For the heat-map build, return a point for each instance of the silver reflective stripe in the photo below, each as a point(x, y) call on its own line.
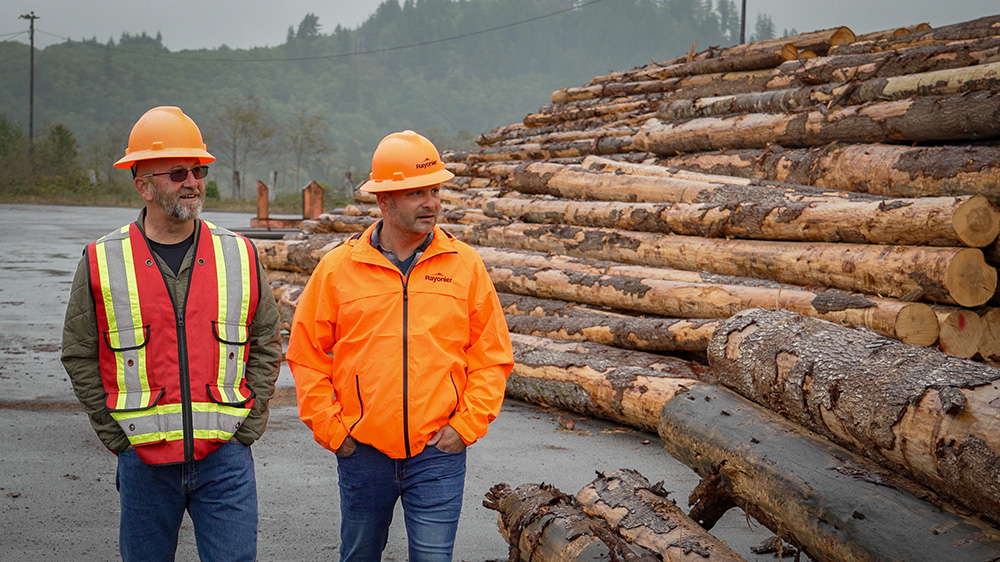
point(120, 290)
point(232, 269)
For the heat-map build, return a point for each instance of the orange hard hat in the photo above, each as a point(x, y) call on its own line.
point(405, 160)
point(164, 132)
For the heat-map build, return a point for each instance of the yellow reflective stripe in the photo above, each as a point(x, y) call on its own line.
point(221, 325)
point(175, 410)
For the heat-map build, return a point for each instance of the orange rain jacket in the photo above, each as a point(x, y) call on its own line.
point(388, 360)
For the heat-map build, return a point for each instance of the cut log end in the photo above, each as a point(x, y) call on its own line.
point(917, 324)
point(970, 280)
point(961, 331)
point(977, 222)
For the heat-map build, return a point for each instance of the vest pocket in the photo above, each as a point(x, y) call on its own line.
point(146, 424)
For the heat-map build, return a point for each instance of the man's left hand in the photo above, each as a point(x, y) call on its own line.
point(447, 440)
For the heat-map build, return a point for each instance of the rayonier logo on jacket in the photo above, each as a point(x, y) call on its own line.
point(437, 278)
point(427, 163)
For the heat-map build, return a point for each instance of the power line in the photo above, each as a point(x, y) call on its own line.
point(344, 55)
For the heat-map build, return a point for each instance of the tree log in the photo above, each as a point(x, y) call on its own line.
point(960, 331)
point(912, 409)
point(628, 332)
point(910, 322)
point(989, 339)
point(927, 118)
point(625, 386)
point(543, 524)
point(937, 82)
point(645, 516)
point(297, 255)
point(982, 27)
point(834, 505)
point(941, 221)
point(944, 275)
point(879, 169)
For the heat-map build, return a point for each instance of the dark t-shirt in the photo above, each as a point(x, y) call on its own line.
point(172, 254)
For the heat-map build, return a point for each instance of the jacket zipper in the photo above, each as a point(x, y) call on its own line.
point(406, 400)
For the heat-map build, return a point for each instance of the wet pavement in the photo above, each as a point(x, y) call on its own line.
point(57, 493)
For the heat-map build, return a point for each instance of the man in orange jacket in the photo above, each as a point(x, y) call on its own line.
point(400, 354)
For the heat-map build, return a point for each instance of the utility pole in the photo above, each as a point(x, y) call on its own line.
point(743, 24)
point(31, 87)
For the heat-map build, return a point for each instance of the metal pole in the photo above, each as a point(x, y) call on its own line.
point(31, 87)
point(743, 24)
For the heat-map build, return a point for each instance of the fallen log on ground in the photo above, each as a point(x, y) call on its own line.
point(625, 386)
point(912, 409)
point(644, 515)
point(623, 332)
point(832, 504)
point(543, 524)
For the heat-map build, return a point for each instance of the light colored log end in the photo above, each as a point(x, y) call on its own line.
point(969, 279)
point(917, 324)
point(977, 222)
point(961, 331)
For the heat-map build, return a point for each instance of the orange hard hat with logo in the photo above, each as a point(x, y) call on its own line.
point(405, 160)
point(164, 132)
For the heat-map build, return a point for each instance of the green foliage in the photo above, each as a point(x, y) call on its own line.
point(448, 69)
point(211, 190)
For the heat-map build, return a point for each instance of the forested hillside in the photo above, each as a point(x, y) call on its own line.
point(321, 101)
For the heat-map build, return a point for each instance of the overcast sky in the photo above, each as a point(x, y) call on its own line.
point(194, 24)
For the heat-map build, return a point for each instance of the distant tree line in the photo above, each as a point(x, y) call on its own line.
point(314, 107)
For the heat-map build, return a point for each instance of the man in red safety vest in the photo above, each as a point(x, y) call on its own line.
point(171, 341)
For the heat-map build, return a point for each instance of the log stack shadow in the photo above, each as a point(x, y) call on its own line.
point(803, 230)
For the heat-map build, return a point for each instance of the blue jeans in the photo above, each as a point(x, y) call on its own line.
point(219, 492)
point(430, 485)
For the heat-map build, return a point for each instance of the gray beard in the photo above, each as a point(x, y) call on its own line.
point(174, 207)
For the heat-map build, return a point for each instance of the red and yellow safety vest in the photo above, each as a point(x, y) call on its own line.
point(175, 380)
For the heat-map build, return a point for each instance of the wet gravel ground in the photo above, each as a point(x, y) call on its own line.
point(57, 491)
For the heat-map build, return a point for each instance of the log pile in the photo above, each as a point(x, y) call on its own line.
point(809, 222)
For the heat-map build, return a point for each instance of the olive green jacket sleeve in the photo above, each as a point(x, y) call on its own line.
point(81, 342)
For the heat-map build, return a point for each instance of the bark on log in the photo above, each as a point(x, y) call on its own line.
point(982, 27)
point(643, 514)
point(939, 221)
point(878, 169)
point(892, 33)
point(958, 117)
point(623, 332)
point(297, 255)
point(543, 524)
point(578, 182)
point(936, 83)
point(910, 322)
point(912, 409)
point(834, 505)
point(750, 56)
point(944, 275)
point(534, 151)
point(839, 506)
point(628, 387)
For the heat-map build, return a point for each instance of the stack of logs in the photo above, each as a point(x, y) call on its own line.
point(781, 257)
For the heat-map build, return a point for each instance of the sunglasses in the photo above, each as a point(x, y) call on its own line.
point(181, 174)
